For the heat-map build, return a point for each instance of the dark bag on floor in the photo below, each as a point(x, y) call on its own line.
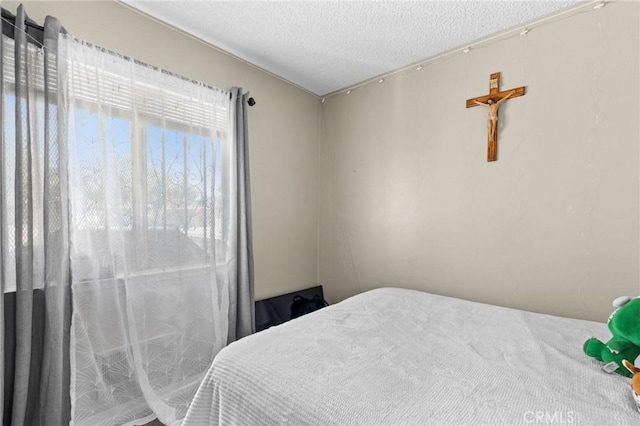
point(302, 305)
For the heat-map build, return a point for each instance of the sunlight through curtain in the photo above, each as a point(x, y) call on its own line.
point(153, 235)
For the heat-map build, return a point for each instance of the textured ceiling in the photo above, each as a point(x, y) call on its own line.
point(324, 46)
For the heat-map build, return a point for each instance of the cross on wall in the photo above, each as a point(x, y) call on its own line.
point(492, 101)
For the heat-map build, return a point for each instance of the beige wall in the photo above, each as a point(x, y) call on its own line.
point(406, 195)
point(408, 199)
point(283, 130)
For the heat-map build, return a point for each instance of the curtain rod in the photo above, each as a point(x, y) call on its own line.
point(29, 23)
point(250, 101)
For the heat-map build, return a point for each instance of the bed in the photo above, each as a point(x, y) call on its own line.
point(394, 357)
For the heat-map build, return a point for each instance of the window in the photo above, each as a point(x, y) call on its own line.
point(149, 159)
point(170, 192)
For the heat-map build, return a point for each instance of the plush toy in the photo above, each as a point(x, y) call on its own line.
point(635, 382)
point(624, 324)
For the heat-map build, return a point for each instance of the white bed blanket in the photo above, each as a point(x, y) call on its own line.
point(403, 357)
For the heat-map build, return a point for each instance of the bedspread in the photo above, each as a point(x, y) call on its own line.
point(393, 356)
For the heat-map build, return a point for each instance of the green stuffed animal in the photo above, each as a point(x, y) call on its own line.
point(624, 324)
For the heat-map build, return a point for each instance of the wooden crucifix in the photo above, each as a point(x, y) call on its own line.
point(492, 101)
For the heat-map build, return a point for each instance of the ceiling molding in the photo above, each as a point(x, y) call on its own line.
point(480, 43)
point(214, 47)
point(318, 46)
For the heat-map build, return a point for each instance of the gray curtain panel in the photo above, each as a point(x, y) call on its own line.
point(242, 300)
point(34, 248)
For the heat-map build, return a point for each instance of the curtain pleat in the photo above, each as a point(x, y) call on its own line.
point(242, 300)
point(54, 397)
point(3, 230)
point(23, 229)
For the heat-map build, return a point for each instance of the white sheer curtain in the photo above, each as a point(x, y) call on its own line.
point(152, 220)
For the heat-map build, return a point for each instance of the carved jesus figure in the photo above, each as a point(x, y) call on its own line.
point(493, 114)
